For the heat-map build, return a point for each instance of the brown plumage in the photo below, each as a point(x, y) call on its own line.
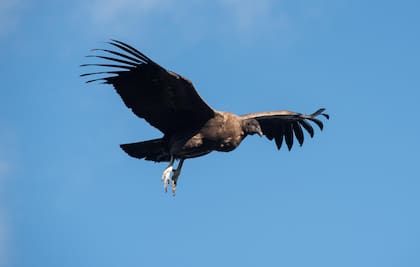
point(190, 127)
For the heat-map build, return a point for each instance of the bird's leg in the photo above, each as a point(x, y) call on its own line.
point(175, 176)
point(166, 176)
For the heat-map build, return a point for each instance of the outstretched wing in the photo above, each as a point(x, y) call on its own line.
point(163, 98)
point(286, 125)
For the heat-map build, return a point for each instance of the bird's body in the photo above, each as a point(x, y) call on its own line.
point(190, 127)
point(223, 132)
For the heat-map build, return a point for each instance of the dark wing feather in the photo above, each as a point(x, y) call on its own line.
point(286, 125)
point(297, 129)
point(288, 134)
point(163, 98)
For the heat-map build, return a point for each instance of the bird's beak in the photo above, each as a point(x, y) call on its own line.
point(260, 133)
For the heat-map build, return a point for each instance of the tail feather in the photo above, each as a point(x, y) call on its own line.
point(154, 150)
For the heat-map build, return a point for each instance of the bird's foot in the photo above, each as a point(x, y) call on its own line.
point(173, 185)
point(174, 180)
point(166, 177)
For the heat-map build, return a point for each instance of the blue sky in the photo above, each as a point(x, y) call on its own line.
point(349, 197)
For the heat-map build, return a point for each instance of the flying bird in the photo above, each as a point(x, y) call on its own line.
point(190, 127)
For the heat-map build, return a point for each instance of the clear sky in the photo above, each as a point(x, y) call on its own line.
point(69, 196)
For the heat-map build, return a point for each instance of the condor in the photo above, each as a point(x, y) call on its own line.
point(190, 127)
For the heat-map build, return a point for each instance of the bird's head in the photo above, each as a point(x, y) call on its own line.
point(251, 126)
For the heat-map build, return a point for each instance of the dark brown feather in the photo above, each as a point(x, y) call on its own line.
point(155, 150)
point(163, 98)
point(279, 136)
point(286, 125)
point(288, 134)
point(298, 132)
point(307, 127)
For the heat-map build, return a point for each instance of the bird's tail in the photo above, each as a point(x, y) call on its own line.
point(154, 150)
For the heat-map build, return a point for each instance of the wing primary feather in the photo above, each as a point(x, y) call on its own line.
point(134, 64)
point(98, 79)
point(298, 132)
point(108, 65)
point(307, 127)
point(279, 137)
point(279, 141)
point(101, 72)
point(135, 50)
point(317, 122)
point(318, 112)
point(131, 50)
point(119, 54)
point(288, 134)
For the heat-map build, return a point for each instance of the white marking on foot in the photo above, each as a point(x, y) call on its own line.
point(166, 177)
point(173, 185)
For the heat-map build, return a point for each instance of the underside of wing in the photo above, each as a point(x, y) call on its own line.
point(163, 98)
point(285, 126)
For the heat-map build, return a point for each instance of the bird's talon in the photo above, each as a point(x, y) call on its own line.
point(166, 177)
point(167, 173)
point(173, 185)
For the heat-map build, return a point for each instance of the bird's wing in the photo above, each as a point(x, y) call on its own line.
point(163, 98)
point(286, 125)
